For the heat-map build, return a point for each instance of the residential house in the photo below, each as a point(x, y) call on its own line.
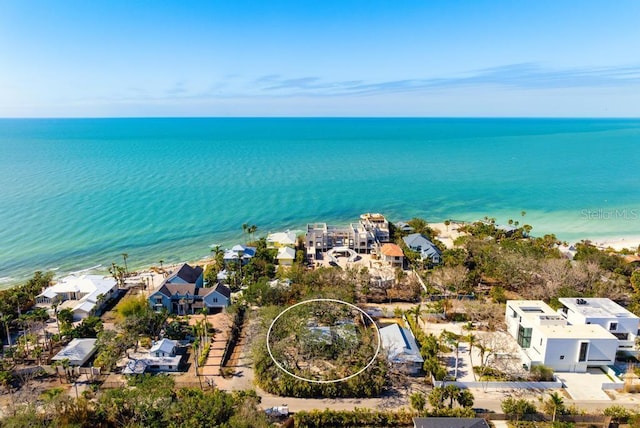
point(286, 256)
point(84, 295)
point(184, 299)
point(281, 239)
point(402, 349)
point(392, 254)
point(404, 227)
point(428, 251)
point(239, 252)
point(77, 352)
point(443, 422)
point(545, 337)
point(161, 357)
point(617, 320)
point(187, 274)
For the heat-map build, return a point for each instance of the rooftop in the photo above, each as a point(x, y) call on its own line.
point(596, 307)
point(391, 250)
point(579, 331)
point(77, 350)
point(165, 345)
point(286, 253)
point(400, 344)
point(187, 273)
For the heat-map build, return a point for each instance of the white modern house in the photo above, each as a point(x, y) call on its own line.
point(161, 358)
point(546, 337)
point(617, 320)
point(401, 348)
point(84, 294)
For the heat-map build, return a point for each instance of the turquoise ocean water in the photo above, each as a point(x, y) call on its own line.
point(79, 192)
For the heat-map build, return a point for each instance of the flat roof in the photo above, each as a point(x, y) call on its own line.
point(580, 331)
point(531, 310)
point(596, 307)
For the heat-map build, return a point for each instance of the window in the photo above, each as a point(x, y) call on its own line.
point(613, 326)
point(524, 337)
point(562, 357)
point(584, 348)
point(540, 341)
point(513, 313)
point(215, 300)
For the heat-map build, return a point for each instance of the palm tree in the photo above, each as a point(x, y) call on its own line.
point(125, 256)
point(471, 338)
point(204, 312)
point(55, 313)
point(556, 404)
point(416, 313)
point(245, 227)
point(251, 230)
point(5, 320)
point(99, 301)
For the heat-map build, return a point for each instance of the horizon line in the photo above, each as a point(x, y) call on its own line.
point(317, 117)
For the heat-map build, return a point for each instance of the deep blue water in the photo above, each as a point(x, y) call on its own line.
point(79, 192)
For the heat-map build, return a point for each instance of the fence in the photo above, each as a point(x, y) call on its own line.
point(501, 385)
point(233, 337)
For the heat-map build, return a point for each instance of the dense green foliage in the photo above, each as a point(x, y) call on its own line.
point(149, 401)
point(429, 349)
point(366, 418)
point(517, 408)
point(352, 418)
point(272, 379)
point(19, 299)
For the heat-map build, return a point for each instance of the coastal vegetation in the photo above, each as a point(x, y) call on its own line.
point(148, 401)
point(18, 300)
point(269, 377)
point(488, 265)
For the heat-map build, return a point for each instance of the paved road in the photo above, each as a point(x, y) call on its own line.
point(490, 399)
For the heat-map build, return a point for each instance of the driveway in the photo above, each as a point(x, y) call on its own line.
point(585, 386)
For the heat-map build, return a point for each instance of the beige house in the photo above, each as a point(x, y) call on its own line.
point(391, 254)
point(286, 256)
point(281, 239)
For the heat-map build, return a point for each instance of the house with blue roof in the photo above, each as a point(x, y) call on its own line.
point(428, 251)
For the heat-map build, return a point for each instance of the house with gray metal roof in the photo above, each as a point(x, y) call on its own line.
point(78, 351)
point(401, 348)
point(428, 250)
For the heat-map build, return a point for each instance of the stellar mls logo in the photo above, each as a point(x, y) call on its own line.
point(606, 214)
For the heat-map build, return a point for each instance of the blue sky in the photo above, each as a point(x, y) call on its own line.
point(319, 58)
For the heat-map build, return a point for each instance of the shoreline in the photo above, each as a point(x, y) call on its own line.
point(446, 234)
